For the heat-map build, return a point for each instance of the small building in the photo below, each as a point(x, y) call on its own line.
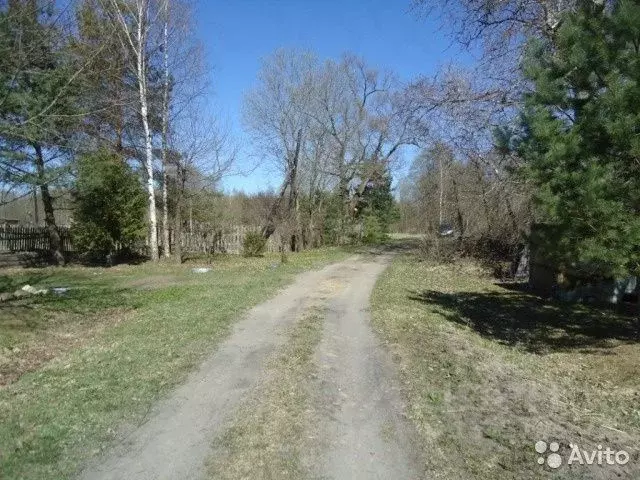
point(545, 279)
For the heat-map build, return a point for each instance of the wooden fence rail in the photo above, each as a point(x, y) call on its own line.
point(18, 238)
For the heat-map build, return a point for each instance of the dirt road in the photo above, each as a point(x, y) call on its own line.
point(362, 429)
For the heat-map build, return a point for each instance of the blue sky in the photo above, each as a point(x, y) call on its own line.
point(238, 34)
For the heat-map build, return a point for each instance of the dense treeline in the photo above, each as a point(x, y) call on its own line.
point(110, 92)
point(549, 139)
point(102, 82)
point(98, 93)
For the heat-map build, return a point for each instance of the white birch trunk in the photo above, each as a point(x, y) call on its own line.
point(144, 114)
point(138, 43)
point(441, 193)
point(165, 127)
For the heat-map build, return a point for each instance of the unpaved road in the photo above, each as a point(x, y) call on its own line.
point(368, 436)
point(363, 430)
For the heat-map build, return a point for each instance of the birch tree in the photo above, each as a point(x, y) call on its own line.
point(134, 21)
point(185, 83)
point(165, 132)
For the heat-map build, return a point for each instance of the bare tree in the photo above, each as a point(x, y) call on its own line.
point(499, 26)
point(334, 125)
point(274, 114)
point(501, 29)
point(367, 122)
point(201, 155)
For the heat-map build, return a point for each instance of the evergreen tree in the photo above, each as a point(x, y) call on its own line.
point(376, 206)
point(37, 110)
point(582, 139)
point(109, 205)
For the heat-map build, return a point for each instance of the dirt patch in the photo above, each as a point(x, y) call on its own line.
point(363, 432)
point(29, 356)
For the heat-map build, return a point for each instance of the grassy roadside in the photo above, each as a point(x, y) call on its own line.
point(161, 321)
point(489, 370)
point(267, 436)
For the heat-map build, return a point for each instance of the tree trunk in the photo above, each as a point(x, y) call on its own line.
point(55, 243)
point(144, 114)
point(294, 205)
point(177, 228)
point(166, 240)
point(458, 213)
point(343, 194)
point(270, 222)
point(485, 203)
point(120, 111)
point(441, 199)
point(165, 129)
point(36, 214)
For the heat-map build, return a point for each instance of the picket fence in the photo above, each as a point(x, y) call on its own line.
point(229, 240)
point(202, 239)
point(21, 238)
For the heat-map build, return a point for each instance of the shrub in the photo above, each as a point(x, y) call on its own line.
point(253, 244)
point(373, 231)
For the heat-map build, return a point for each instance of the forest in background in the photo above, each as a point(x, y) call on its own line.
point(104, 115)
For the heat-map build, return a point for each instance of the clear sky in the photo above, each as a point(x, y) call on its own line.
point(238, 34)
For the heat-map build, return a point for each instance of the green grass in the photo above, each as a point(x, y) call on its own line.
point(162, 320)
point(267, 437)
point(94, 291)
point(488, 370)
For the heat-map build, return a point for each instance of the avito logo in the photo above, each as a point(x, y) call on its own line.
point(601, 456)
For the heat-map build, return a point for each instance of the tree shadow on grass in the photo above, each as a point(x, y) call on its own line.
point(519, 319)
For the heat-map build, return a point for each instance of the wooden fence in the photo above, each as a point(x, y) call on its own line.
point(228, 240)
point(18, 238)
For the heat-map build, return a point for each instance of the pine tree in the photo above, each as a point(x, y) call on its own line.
point(38, 107)
point(582, 139)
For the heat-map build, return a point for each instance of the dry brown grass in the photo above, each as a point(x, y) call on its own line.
point(59, 338)
point(270, 430)
point(489, 371)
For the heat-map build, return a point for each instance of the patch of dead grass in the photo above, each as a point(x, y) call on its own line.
point(481, 403)
point(54, 342)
